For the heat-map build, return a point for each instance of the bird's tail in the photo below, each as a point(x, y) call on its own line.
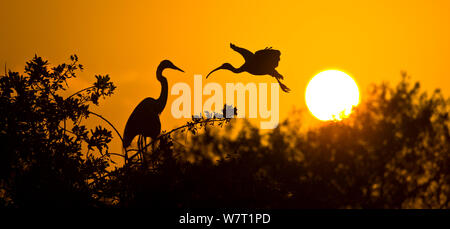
point(283, 87)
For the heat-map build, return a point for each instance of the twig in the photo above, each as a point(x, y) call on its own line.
point(78, 92)
point(187, 125)
point(211, 120)
point(104, 119)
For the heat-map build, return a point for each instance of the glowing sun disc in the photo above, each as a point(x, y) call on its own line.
point(331, 94)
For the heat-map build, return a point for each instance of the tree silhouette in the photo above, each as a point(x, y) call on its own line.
point(392, 152)
point(41, 133)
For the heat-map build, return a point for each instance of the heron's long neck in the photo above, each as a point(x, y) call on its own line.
point(162, 100)
point(235, 70)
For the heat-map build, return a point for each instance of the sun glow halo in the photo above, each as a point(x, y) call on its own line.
point(331, 94)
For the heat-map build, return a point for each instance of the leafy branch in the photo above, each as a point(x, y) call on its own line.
point(196, 123)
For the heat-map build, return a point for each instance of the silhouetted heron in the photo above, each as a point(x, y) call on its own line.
point(144, 121)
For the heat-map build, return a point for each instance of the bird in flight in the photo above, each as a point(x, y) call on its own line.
point(262, 62)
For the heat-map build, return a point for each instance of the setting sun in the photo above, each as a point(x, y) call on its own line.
point(331, 94)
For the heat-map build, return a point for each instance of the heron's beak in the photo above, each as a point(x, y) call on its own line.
point(177, 68)
point(221, 67)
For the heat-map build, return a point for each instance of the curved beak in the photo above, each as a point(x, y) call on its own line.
point(221, 67)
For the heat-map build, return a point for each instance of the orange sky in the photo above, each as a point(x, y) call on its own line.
point(371, 40)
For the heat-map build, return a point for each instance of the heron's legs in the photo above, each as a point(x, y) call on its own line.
point(277, 75)
point(144, 160)
point(139, 143)
point(283, 87)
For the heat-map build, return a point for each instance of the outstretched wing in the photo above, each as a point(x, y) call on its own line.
point(244, 52)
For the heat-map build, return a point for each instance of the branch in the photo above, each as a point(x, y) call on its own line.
point(187, 125)
point(211, 120)
point(104, 119)
point(78, 92)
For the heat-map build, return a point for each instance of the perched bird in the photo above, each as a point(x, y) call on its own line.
point(262, 62)
point(144, 121)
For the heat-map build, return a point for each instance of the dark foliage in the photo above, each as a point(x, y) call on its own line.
point(393, 152)
point(41, 134)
